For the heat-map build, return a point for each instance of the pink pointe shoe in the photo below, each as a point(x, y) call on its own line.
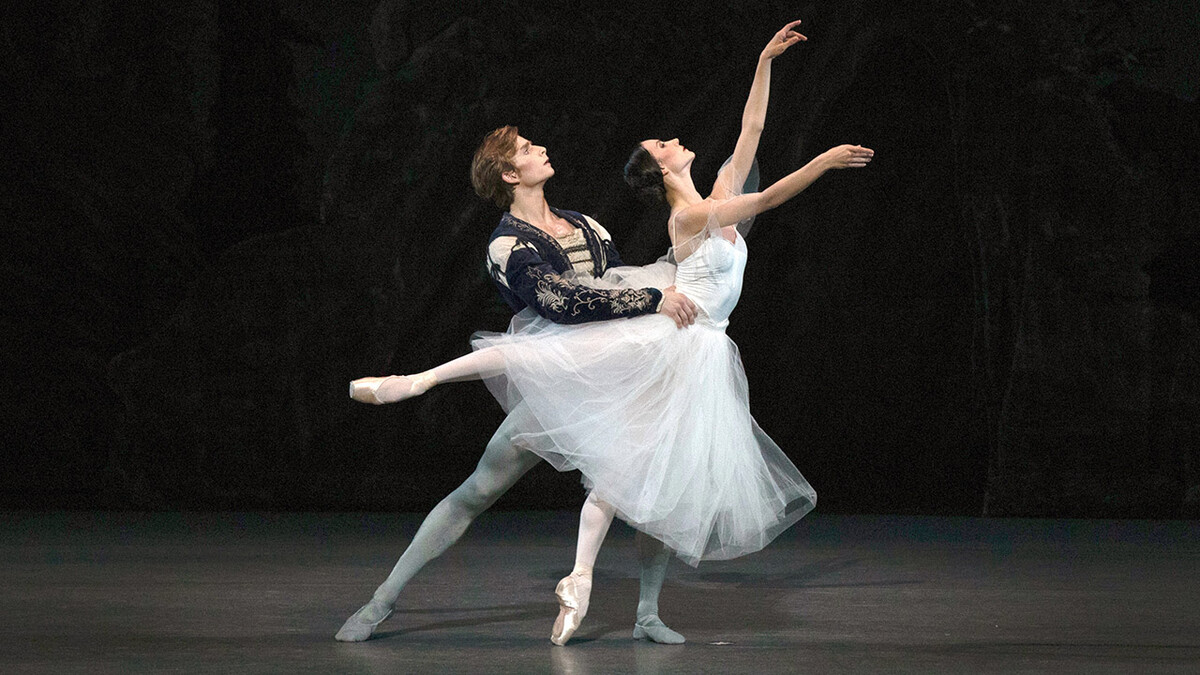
point(573, 593)
point(390, 389)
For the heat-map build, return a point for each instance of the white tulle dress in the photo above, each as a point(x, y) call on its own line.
point(655, 417)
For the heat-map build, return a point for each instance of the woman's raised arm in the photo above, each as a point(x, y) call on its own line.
point(729, 181)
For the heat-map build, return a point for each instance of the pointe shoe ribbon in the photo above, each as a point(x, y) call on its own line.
point(573, 592)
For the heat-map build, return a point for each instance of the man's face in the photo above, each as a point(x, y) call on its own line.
point(532, 166)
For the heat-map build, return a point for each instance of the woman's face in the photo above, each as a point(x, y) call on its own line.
point(670, 154)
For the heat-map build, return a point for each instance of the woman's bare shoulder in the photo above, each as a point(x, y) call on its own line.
point(694, 217)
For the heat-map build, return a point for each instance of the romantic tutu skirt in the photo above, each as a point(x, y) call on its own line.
point(657, 420)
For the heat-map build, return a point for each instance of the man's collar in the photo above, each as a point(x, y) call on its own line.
point(558, 212)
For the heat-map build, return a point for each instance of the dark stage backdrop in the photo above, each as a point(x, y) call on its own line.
point(217, 212)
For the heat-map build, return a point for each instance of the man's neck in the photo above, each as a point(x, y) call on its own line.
point(531, 207)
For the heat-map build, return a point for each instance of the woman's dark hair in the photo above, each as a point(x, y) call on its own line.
point(644, 175)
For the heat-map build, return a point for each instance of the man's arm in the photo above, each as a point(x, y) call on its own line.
point(520, 268)
point(677, 306)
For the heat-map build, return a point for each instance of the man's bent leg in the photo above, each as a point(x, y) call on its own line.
point(500, 467)
point(653, 557)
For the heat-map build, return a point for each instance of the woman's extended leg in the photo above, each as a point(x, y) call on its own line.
point(476, 365)
point(574, 590)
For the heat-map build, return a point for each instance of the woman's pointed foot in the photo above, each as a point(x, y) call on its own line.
point(390, 389)
point(652, 628)
point(573, 592)
point(362, 623)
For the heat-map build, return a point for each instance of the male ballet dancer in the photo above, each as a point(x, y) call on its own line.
point(532, 246)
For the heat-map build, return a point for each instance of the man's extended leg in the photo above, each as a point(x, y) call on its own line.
point(502, 465)
point(653, 556)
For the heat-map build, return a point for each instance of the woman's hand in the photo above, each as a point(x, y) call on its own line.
point(786, 37)
point(847, 157)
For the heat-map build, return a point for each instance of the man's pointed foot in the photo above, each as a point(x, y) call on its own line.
point(362, 623)
point(652, 628)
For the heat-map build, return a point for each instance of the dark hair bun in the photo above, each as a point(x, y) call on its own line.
point(644, 175)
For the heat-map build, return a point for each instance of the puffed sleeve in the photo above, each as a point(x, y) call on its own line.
point(611, 257)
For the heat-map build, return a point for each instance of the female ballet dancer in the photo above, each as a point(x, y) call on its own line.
point(656, 419)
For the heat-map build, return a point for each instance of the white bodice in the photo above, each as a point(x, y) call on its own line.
point(656, 419)
point(712, 277)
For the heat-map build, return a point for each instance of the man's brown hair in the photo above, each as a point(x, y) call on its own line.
point(490, 162)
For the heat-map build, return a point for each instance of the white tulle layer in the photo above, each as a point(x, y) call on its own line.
point(657, 419)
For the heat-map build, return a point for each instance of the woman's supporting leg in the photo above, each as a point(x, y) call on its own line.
point(594, 520)
point(574, 591)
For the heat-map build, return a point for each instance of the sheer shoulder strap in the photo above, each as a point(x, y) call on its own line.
point(685, 245)
point(739, 185)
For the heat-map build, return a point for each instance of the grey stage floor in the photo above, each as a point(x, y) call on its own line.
point(251, 593)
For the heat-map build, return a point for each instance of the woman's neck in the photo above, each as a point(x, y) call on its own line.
point(682, 192)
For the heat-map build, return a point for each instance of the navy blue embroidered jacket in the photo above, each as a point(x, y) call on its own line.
point(527, 266)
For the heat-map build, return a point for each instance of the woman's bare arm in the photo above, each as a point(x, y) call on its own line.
point(723, 213)
point(730, 180)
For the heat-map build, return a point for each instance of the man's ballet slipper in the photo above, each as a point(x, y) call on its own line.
point(358, 629)
point(652, 628)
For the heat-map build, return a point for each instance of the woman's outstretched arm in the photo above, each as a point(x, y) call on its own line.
point(732, 211)
point(731, 178)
